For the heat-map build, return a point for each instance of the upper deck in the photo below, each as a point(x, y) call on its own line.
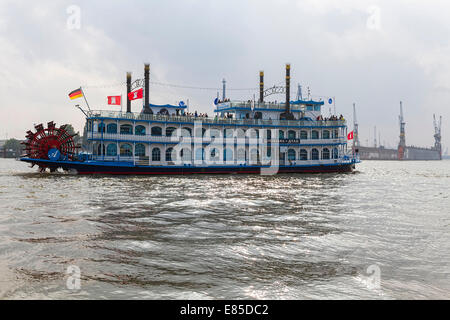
point(295, 106)
point(222, 121)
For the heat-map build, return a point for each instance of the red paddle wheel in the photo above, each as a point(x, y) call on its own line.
point(38, 145)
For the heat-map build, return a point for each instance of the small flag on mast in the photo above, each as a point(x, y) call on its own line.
point(138, 94)
point(115, 100)
point(78, 93)
point(350, 136)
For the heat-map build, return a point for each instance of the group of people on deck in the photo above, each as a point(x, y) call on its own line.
point(331, 118)
point(205, 115)
point(195, 114)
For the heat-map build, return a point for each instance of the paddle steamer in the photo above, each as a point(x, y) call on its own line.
point(242, 137)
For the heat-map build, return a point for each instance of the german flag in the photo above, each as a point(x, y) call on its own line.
point(76, 94)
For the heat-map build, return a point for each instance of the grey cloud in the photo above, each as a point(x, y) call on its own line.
point(199, 42)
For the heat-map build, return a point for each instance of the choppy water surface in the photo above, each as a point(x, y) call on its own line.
point(210, 237)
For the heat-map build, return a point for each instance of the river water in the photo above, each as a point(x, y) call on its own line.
point(382, 232)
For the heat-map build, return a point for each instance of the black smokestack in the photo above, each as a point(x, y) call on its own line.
point(147, 84)
point(287, 115)
point(261, 86)
point(288, 88)
point(128, 91)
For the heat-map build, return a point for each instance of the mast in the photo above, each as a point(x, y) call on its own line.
point(261, 86)
point(128, 91)
point(288, 88)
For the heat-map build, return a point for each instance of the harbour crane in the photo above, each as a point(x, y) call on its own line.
point(355, 128)
point(402, 142)
point(437, 134)
point(402, 123)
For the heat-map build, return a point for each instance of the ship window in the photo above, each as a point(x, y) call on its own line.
point(186, 132)
point(228, 154)
point(139, 130)
point(258, 115)
point(335, 153)
point(252, 133)
point(89, 126)
point(335, 133)
point(280, 134)
point(269, 151)
point(241, 154)
point(126, 150)
point(326, 153)
point(126, 129)
point(200, 132)
point(100, 148)
point(200, 154)
point(156, 154)
point(186, 154)
point(303, 154)
point(254, 155)
point(291, 134)
point(156, 131)
point(139, 150)
point(269, 134)
point(169, 131)
point(303, 134)
point(316, 108)
point(214, 154)
point(314, 154)
point(315, 134)
point(228, 133)
point(291, 154)
point(170, 155)
point(111, 128)
point(240, 133)
point(325, 134)
point(111, 149)
point(214, 133)
point(101, 127)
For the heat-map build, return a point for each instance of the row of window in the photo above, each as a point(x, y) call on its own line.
point(157, 131)
point(126, 150)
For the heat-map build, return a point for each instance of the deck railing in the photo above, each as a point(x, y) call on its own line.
point(257, 105)
point(208, 139)
point(147, 161)
point(136, 116)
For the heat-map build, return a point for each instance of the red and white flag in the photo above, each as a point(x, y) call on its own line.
point(137, 94)
point(350, 136)
point(116, 100)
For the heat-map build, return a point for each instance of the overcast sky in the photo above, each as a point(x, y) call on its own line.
point(372, 53)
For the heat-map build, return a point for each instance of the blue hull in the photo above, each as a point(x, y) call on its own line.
point(95, 167)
